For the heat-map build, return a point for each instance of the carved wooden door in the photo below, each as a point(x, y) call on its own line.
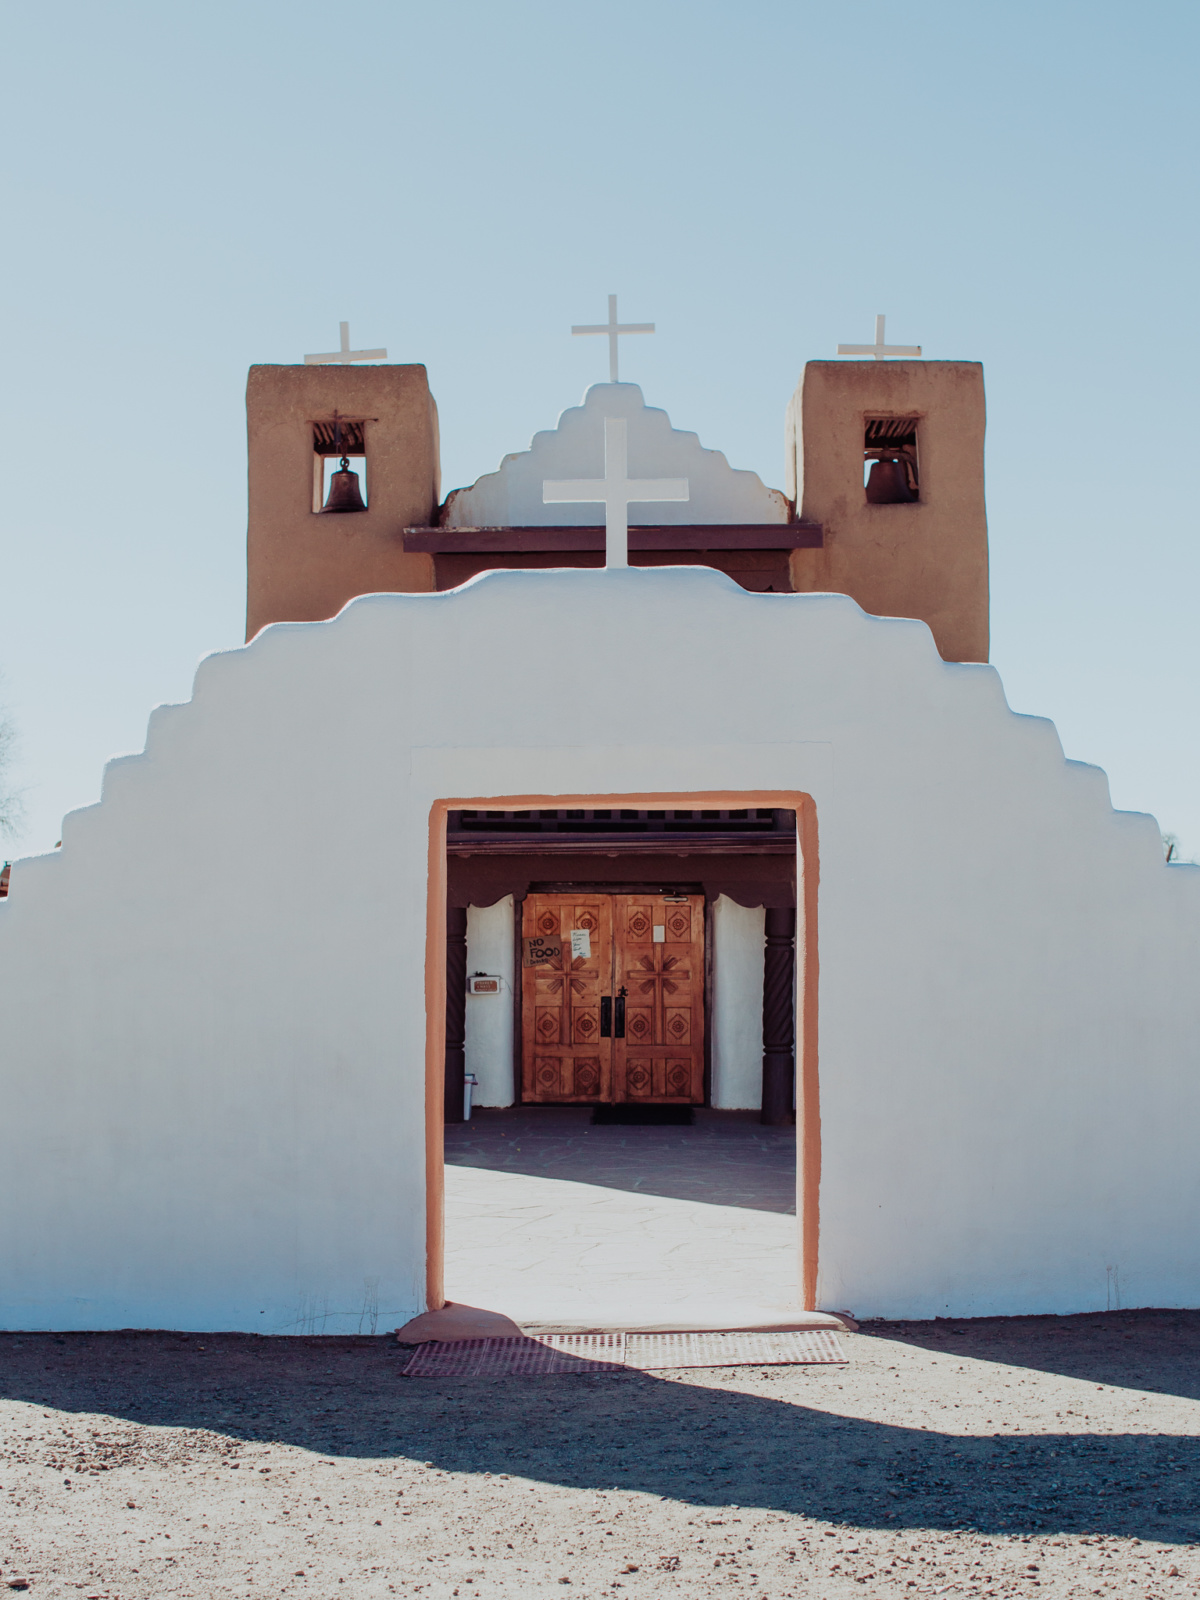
point(659, 975)
point(565, 1054)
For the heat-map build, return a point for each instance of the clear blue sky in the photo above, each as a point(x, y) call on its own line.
point(188, 190)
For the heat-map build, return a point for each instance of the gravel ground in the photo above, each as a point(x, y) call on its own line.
point(989, 1457)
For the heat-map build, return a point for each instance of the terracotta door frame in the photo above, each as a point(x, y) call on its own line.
point(808, 1105)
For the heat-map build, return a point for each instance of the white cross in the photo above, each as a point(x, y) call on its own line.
point(612, 328)
point(879, 350)
point(616, 489)
point(345, 355)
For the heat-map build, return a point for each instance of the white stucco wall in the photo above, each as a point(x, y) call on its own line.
point(512, 496)
point(738, 954)
point(489, 1053)
point(211, 1104)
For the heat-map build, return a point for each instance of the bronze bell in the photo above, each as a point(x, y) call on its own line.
point(888, 485)
point(344, 493)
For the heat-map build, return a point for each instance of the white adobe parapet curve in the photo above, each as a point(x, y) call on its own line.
point(212, 1104)
point(512, 497)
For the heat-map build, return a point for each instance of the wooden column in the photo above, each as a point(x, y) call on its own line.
point(779, 1018)
point(456, 1011)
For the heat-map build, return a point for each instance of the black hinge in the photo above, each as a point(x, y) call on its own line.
point(606, 1017)
point(619, 1031)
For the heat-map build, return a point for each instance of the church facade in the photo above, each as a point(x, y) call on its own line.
point(914, 545)
point(748, 822)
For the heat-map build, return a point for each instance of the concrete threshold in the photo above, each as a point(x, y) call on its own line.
point(802, 1322)
point(454, 1322)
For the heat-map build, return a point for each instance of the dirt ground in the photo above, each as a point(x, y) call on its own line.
point(990, 1457)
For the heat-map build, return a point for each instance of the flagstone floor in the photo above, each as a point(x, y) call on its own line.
point(553, 1221)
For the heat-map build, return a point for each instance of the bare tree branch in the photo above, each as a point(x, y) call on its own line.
point(12, 806)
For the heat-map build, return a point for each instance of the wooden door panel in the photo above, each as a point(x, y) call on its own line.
point(659, 954)
point(563, 1057)
point(654, 1077)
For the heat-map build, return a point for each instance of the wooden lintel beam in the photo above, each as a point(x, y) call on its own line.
point(697, 536)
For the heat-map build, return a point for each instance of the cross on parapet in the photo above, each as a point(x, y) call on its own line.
point(879, 350)
point(616, 489)
point(345, 355)
point(613, 329)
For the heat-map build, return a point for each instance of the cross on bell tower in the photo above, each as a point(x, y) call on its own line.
point(344, 356)
point(879, 350)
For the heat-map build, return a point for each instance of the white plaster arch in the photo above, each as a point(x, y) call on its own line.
point(212, 1099)
point(512, 496)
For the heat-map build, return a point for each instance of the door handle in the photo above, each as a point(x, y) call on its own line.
point(619, 1029)
point(606, 1017)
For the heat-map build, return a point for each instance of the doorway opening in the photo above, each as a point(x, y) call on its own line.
point(606, 1173)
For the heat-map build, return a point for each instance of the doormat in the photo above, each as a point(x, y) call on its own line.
point(562, 1353)
point(484, 1358)
point(626, 1115)
point(650, 1351)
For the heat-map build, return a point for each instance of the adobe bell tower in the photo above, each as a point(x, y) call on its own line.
point(304, 562)
point(887, 456)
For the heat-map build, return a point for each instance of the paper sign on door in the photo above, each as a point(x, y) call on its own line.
point(581, 944)
point(541, 950)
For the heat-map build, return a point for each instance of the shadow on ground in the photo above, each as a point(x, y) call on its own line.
point(1152, 1350)
point(707, 1446)
point(725, 1158)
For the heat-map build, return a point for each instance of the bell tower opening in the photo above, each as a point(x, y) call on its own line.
point(891, 469)
point(339, 465)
